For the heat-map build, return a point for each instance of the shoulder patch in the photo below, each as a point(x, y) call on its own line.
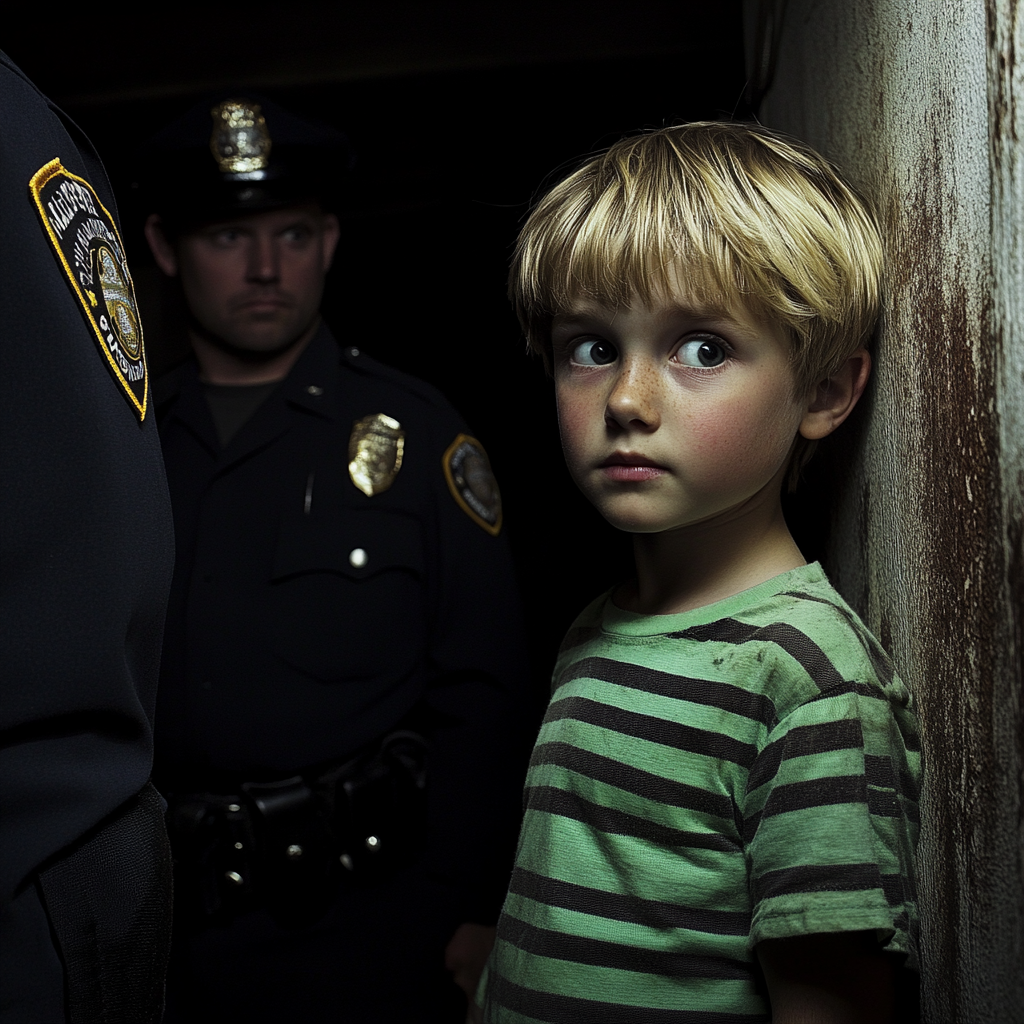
point(375, 449)
point(88, 246)
point(468, 472)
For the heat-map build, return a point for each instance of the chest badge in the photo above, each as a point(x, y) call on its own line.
point(375, 449)
point(471, 481)
point(87, 244)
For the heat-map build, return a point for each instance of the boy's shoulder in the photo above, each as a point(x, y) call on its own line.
point(798, 640)
point(808, 620)
point(792, 638)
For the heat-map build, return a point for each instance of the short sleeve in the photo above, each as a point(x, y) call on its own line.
point(831, 818)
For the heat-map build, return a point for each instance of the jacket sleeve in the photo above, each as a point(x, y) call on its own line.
point(477, 697)
point(85, 543)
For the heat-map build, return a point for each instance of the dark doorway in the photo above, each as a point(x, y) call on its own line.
point(457, 115)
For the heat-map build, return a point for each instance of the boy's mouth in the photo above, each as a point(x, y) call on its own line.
point(630, 467)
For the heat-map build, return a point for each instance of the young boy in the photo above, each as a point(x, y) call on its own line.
point(721, 808)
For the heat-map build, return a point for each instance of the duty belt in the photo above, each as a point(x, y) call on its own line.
point(287, 845)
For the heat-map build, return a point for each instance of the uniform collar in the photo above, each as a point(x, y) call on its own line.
point(311, 385)
point(312, 382)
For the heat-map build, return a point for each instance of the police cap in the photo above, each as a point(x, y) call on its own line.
point(241, 153)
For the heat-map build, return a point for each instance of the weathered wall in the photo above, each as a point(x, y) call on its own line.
point(923, 103)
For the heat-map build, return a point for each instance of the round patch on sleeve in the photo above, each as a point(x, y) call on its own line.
point(468, 472)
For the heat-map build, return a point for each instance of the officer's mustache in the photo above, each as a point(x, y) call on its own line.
point(262, 293)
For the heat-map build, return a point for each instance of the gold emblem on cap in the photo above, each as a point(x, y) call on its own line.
point(240, 142)
point(375, 450)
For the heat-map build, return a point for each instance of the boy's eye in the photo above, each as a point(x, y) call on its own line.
point(704, 353)
point(594, 353)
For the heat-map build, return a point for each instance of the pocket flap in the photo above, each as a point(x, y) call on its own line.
point(354, 544)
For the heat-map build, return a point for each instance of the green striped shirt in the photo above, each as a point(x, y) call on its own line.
point(743, 771)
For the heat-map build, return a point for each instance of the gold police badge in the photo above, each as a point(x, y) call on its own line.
point(375, 449)
point(468, 472)
point(87, 244)
point(240, 142)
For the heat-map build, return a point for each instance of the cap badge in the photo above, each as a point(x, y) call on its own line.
point(375, 449)
point(240, 142)
point(471, 481)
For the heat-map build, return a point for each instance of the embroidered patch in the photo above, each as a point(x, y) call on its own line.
point(375, 449)
point(86, 241)
point(468, 472)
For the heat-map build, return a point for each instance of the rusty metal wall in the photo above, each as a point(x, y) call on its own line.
point(922, 102)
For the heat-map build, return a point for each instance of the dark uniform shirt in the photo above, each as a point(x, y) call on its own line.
point(308, 619)
point(85, 561)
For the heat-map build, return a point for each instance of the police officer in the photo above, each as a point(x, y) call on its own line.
point(85, 567)
point(339, 695)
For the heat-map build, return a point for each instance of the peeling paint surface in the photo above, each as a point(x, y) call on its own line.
point(918, 102)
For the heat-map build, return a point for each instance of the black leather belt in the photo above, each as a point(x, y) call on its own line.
point(289, 844)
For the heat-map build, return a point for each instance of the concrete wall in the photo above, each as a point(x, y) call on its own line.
point(922, 102)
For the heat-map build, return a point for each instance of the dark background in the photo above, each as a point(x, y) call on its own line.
point(457, 112)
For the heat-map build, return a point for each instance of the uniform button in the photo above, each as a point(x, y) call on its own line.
point(372, 843)
point(353, 352)
point(314, 390)
point(357, 558)
point(234, 877)
point(294, 851)
point(234, 808)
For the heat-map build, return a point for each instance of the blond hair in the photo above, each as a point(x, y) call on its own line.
point(737, 212)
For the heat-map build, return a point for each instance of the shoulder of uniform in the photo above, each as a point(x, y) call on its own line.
point(359, 361)
point(464, 464)
point(8, 65)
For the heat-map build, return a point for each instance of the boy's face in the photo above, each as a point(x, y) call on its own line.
point(671, 416)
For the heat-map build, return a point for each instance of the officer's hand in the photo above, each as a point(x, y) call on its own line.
point(465, 956)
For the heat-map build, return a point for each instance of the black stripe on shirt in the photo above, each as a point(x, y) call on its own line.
point(884, 803)
point(879, 659)
point(734, 699)
point(878, 770)
point(658, 914)
point(799, 796)
point(559, 1009)
point(579, 949)
point(800, 647)
point(899, 889)
point(881, 772)
point(631, 780)
point(816, 878)
point(653, 728)
point(845, 734)
point(551, 800)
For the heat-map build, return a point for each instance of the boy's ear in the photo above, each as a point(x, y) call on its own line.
point(163, 251)
point(831, 400)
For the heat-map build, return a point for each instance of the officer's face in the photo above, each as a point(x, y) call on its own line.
point(254, 282)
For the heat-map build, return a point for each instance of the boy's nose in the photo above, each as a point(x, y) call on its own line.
point(633, 402)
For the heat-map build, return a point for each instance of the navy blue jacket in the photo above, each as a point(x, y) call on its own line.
point(282, 655)
point(85, 544)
